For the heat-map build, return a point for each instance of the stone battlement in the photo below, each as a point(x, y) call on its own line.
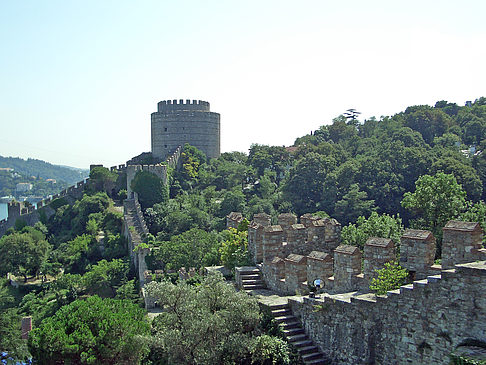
point(288, 236)
point(420, 323)
point(30, 214)
point(292, 255)
point(170, 106)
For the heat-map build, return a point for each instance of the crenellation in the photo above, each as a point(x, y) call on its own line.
point(461, 243)
point(417, 252)
point(296, 238)
point(377, 251)
point(255, 241)
point(262, 219)
point(175, 124)
point(347, 266)
point(296, 274)
point(273, 237)
point(274, 275)
point(320, 266)
point(286, 220)
point(233, 219)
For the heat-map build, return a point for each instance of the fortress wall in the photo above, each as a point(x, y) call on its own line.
point(31, 215)
point(419, 324)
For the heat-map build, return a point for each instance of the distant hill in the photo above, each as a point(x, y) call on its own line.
point(44, 170)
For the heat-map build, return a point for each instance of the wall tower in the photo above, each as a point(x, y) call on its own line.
point(177, 122)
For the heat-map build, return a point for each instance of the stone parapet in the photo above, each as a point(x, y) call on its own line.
point(461, 243)
point(319, 266)
point(286, 220)
point(417, 252)
point(347, 266)
point(272, 242)
point(296, 274)
point(377, 252)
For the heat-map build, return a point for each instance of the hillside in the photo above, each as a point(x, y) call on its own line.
point(44, 170)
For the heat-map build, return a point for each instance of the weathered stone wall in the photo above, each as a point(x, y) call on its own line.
point(272, 242)
point(313, 233)
point(135, 231)
point(177, 122)
point(420, 324)
point(255, 242)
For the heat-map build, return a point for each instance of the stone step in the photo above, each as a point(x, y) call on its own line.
point(255, 275)
point(420, 283)
point(295, 338)
point(302, 344)
point(308, 349)
point(248, 270)
point(290, 325)
point(253, 287)
point(281, 312)
point(250, 282)
point(293, 331)
point(317, 362)
point(434, 278)
point(312, 356)
point(286, 318)
point(279, 306)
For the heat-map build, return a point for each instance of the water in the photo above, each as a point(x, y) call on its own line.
point(3, 211)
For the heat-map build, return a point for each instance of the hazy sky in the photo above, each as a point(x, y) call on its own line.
point(79, 79)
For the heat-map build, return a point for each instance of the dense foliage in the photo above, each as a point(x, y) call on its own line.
point(212, 324)
point(91, 331)
point(44, 170)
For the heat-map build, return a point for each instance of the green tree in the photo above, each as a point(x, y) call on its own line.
point(92, 331)
point(102, 179)
point(23, 253)
point(212, 323)
point(375, 226)
point(391, 277)
point(354, 203)
point(106, 277)
point(150, 188)
point(436, 200)
point(304, 184)
point(234, 248)
point(193, 248)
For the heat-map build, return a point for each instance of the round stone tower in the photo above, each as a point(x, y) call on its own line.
point(176, 123)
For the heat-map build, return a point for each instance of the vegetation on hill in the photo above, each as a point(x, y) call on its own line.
point(37, 173)
point(44, 170)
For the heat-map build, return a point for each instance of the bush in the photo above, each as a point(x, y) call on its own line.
point(391, 277)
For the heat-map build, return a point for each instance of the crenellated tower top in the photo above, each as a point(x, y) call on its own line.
point(167, 106)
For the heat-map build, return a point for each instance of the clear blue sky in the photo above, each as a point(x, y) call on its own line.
point(79, 79)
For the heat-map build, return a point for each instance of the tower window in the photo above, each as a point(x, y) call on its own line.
point(165, 146)
point(165, 129)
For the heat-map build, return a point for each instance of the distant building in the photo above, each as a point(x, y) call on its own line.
point(52, 181)
point(8, 169)
point(22, 187)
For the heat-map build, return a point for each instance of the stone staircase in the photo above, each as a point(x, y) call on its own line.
point(295, 335)
point(249, 278)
